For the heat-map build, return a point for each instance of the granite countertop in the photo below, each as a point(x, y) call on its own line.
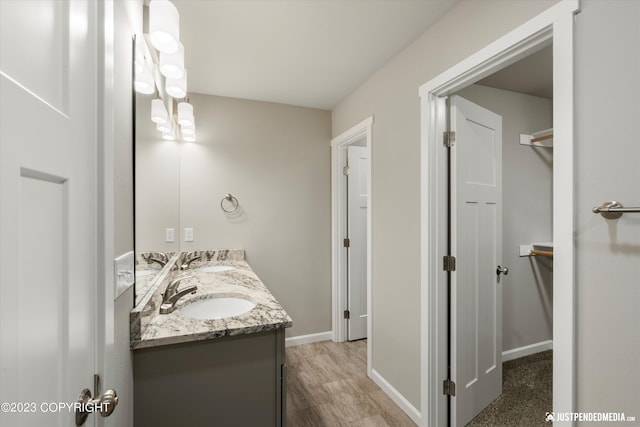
point(154, 329)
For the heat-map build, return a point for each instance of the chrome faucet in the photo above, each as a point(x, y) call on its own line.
point(186, 264)
point(172, 295)
point(159, 261)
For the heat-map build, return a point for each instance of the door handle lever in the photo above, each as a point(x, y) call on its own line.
point(103, 405)
point(503, 270)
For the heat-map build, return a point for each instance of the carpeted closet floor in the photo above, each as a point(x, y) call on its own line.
point(527, 385)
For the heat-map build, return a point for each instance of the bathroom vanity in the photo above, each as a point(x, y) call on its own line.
point(218, 371)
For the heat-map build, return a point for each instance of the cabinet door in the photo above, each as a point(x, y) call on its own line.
point(230, 381)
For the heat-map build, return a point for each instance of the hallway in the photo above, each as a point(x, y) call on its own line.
point(328, 386)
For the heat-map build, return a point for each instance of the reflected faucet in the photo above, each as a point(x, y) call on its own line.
point(187, 263)
point(172, 295)
point(162, 261)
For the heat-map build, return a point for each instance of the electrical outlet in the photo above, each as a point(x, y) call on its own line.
point(188, 234)
point(169, 235)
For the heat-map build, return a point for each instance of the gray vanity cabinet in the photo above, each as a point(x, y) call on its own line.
point(235, 381)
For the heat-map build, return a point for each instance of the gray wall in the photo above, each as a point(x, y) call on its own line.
point(275, 159)
point(157, 183)
point(607, 158)
point(527, 172)
point(391, 96)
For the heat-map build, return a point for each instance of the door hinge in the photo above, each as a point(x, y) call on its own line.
point(346, 171)
point(449, 138)
point(449, 387)
point(347, 243)
point(347, 314)
point(449, 263)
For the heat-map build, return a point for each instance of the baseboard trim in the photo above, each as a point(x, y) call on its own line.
point(307, 339)
point(519, 352)
point(399, 399)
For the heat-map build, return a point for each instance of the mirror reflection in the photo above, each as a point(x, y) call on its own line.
point(157, 197)
point(273, 158)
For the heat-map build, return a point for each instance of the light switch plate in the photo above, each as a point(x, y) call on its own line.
point(124, 274)
point(169, 235)
point(188, 234)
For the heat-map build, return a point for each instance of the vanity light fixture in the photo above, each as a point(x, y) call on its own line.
point(168, 71)
point(172, 64)
point(177, 88)
point(164, 25)
point(143, 81)
point(185, 114)
point(169, 136)
point(188, 130)
point(159, 112)
point(189, 138)
point(164, 127)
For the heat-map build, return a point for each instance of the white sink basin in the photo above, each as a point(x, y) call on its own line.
point(217, 307)
point(214, 269)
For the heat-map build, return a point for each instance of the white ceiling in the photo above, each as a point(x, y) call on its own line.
point(311, 53)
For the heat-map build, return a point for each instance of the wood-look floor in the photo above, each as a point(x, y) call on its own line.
point(328, 387)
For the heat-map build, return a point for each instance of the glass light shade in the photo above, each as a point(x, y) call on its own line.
point(144, 82)
point(169, 136)
point(177, 88)
point(164, 25)
point(172, 64)
point(189, 138)
point(164, 127)
point(159, 112)
point(185, 114)
point(188, 130)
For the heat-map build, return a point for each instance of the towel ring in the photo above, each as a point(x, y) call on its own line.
point(234, 204)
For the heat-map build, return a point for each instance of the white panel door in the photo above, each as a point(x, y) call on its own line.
point(357, 196)
point(476, 304)
point(47, 208)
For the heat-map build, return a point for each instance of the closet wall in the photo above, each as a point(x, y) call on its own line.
point(527, 174)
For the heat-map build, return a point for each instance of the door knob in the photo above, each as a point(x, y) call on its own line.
point(503, 270)
point(103, 405)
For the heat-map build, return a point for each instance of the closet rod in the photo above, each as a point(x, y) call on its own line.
point(541, 253)
point(542, 138)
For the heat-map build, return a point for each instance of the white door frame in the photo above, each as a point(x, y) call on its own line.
point(555, 25)
point(339, 271)
point(105, 197)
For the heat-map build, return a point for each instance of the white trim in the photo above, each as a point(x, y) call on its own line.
point(527, 350)
point(308, 339)
point(105, 192)
point(553, 25)
point(338, 232)
point(564, 382)
point(395, 395)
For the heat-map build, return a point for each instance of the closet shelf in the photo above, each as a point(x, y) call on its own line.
point(537, 249)
point(543, 138)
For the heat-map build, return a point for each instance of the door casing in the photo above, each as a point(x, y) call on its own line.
point(554, 25)
point(339, 146)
